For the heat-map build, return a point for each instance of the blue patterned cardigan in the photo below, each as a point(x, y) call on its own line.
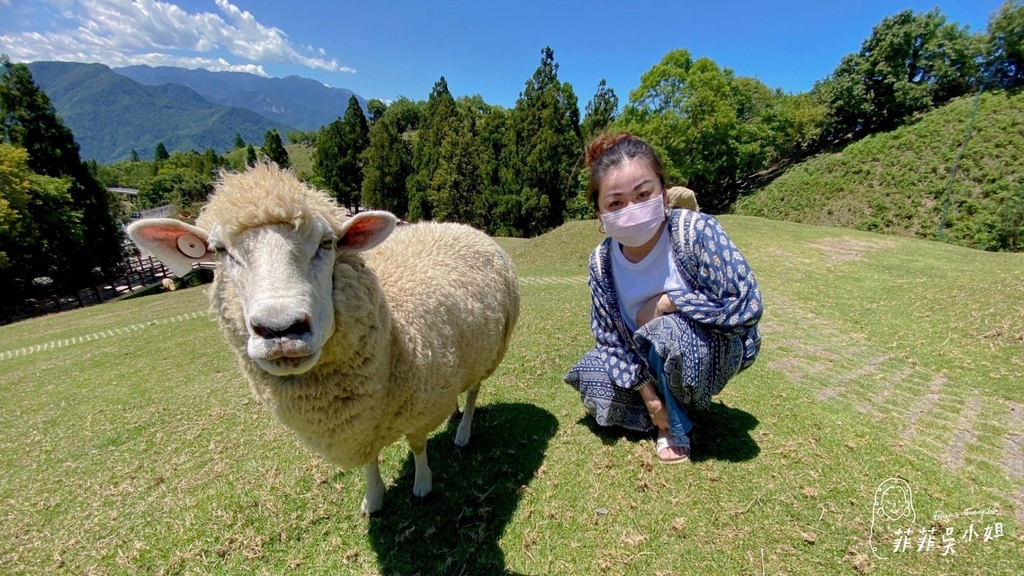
point(719, 312)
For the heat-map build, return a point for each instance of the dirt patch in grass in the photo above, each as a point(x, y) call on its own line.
point(840, 250)
point(964, 434)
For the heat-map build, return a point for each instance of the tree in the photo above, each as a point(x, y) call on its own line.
point(1004, 54)
point(909, 64)
point(38, 220)
point(438, 113)
point(542, 146)
point(239, 143)
point(386, 166)
point(407, 114)
point(456, 190)
point(178, 186)
point(274, 150)
point(355, 139)
point(161, 152)
point(710, 128)
point(601, 111)
point(250, 156)
point(29, 121)
point(376, 109)
point(211, 162)
point(491, 123)
point(134, 156)
point(338, 161)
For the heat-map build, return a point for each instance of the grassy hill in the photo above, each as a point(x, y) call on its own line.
point(301, 157)
point(132, 445)
point(897, 182)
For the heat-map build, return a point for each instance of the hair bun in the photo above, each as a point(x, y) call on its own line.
point(601, 144)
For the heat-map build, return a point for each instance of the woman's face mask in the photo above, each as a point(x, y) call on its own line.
point(635, 225)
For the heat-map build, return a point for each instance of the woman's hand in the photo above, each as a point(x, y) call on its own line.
point(659, 305)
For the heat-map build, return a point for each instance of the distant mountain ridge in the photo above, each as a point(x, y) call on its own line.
point(111, 114)
point(296, 101)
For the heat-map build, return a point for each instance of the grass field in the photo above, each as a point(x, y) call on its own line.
point(131, 445)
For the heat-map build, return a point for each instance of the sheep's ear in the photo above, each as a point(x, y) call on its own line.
point(366, 230)
point(176, 244)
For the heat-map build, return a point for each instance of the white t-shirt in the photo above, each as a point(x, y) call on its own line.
point(638, 282)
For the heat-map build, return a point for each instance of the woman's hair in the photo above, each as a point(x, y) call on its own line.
point(606, 152)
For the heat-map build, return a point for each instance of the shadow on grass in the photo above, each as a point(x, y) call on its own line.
point(476, 491)
point(720, 433)
point(723, 433)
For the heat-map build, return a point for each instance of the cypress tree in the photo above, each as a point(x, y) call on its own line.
point(456, 188)
point(439, 113)
point(600, 111)
point(160, 153)
point(542, 147)
point(386, 165)
point(355, 137)
point(250, 156)
point(273, 148)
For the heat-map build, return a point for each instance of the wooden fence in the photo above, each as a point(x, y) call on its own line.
point(139, 272)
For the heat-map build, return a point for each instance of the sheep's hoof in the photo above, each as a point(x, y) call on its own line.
point(418, 500)
point(367, 508)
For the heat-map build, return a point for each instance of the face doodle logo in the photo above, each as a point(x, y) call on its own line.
point(894, 502)
point(893, 524)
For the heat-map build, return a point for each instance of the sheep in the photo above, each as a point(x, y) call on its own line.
point(168, 285)
point(352, 332)
point(681, 197)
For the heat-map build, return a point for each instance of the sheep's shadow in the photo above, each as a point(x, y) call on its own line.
point(719, 433)
point(476, 491)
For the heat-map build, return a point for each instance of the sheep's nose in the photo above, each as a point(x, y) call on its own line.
point(291, 330)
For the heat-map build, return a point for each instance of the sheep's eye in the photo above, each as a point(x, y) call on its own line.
point(327, 244)
point(223, 253)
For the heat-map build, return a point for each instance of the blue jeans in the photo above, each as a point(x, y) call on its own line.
point(678, 423)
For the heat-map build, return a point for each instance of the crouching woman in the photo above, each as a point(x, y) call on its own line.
point(675, 305)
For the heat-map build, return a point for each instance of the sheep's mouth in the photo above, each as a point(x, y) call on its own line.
point(288, 365)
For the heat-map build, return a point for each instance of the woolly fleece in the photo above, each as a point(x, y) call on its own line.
point(426, 315)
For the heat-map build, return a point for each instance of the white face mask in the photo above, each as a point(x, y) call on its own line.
point(635, 225)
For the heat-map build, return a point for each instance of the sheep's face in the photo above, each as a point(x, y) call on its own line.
point(282, 275)
point(283, 278)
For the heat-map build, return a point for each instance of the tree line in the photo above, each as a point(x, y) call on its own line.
point(515, 172)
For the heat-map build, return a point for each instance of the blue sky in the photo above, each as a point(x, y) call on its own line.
point(385, 49)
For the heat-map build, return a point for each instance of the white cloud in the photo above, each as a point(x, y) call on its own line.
point(125, 32)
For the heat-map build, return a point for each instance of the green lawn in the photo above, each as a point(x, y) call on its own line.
point(132, 445)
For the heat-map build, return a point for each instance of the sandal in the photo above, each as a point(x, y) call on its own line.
point(670, 441)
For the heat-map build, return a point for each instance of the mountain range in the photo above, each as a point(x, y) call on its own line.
point(296, 101)
point(111, 113)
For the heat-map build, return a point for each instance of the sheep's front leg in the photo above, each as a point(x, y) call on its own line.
point(423, 483)
point(462, 435)
point(373, 500)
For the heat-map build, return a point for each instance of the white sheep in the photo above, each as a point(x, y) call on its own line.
point(349, 347)
point(682, 197)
